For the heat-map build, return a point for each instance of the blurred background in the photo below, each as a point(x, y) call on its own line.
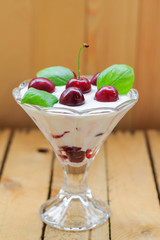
point(40, 33)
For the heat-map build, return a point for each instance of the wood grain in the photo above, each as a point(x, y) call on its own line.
point(39, 33)
point(112, 36)
point(15, 60)
point(154, 141)
point(135, 212)
point(112, 33)
point(58, 33)
point(148, 59)
point(4, 139)
point(36, 34)
point(134, 204)
point(24, 186)
point(97, 182)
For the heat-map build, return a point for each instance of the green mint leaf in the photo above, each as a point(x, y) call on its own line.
point(58, 75)
point(119, 76)
point(39, 97)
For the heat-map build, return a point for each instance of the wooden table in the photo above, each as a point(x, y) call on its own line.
point(126, 172)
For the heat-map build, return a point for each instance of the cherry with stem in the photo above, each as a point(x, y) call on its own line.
point(81, 82)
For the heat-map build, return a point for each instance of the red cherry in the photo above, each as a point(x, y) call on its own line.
point(89, 153)
point(94, 79)
point(106, 94)
point(42, 84)
point(75, 154)
point(83, 84)
point(72, 97)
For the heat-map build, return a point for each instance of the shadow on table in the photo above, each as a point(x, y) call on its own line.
point(99, 233)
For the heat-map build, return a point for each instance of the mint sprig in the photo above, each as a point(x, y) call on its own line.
point(120, 76)
point(39, 97)
point(58, 75)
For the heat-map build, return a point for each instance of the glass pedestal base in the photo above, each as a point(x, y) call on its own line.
point(74, 212)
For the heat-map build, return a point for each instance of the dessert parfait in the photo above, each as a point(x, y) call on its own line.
point(76, 114)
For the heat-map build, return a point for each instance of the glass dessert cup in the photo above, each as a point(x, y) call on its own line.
point(76, 137)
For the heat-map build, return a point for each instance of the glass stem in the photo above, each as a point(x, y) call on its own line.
point(75, 179)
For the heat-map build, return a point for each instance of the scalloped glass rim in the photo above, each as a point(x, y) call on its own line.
point(133, 93)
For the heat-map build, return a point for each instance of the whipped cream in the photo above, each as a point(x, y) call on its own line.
point(90, 102)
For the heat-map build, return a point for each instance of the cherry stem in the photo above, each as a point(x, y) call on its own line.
point(84, 45)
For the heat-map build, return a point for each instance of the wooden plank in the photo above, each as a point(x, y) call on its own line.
point(148, 59)
point(58, 32)
point(112, 36)
point(36, 34)
point(154, 141)
point(4, 139)
point(112, 33)
point(24, 186)
point(97, 182)
point(135, 212)
point(15, 61)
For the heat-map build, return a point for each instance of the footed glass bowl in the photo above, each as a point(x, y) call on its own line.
point(76, 137)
